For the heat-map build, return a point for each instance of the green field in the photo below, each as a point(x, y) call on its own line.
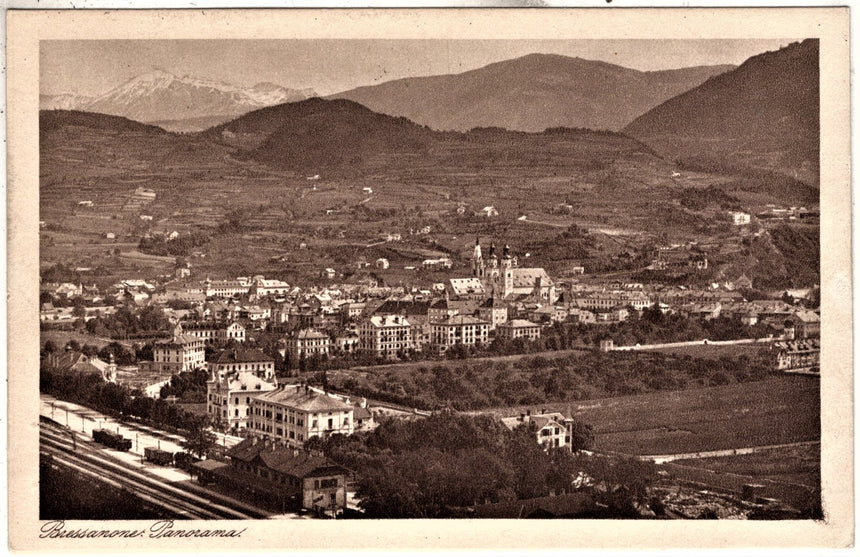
point(769, 412)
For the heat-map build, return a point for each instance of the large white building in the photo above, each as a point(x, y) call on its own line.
point(236, 377)
point(459, 329)
point(385, 334)
point(296, 413)
point(308, 342)
point(226, 288)
point(261, 287)
point(181, 353)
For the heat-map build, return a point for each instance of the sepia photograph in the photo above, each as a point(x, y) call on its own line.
point(337, 278)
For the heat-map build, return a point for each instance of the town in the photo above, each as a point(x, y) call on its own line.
point(273, 367)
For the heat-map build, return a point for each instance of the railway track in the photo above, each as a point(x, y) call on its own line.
point(84, 459)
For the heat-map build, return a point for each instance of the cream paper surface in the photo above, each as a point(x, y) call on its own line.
point(830, 25)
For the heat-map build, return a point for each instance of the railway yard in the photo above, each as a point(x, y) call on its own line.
point(170, 490)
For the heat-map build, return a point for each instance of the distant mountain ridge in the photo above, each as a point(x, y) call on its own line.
point(763, 115)
point(531, 93)
point(341, 134)
point(184, 103)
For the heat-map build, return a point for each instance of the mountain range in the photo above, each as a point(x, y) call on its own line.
point(763, 115)
point(531, 93)
point(339, 134)
point(178, 103)
point(759, 119)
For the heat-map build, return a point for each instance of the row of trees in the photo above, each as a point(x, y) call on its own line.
point(88, 389)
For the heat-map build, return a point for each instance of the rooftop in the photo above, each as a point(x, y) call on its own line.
point(240, 355)
point(303, 398)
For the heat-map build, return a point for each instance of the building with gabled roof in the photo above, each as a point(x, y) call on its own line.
point(286, 478)
point(552, 429)
point(806, 323)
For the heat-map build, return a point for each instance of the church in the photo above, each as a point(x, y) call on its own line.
point(494, 276)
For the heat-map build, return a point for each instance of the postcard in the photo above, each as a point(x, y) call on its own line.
point(426, 278)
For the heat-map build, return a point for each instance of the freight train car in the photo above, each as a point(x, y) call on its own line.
point(158, 456)
point(185, 460)
point(111, 439)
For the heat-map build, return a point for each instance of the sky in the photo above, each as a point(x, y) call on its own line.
point(92, 67)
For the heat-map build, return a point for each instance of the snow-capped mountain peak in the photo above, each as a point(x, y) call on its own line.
point(159, 95)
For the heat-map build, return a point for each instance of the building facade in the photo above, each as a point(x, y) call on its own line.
point(294, 413)
point(181, 353)
point(518, 328)
point(385, 334)
point(308, 342)
point(460, 329)
point(236, 377)
point(213, 331)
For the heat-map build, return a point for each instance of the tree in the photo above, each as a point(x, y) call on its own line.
point(198, 441)
point(581, 436)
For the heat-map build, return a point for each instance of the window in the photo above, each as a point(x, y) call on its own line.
point(314, 424)
point(330, 423)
